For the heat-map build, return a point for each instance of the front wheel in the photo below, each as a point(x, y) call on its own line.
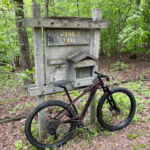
point(50, 132)
point(112, 119)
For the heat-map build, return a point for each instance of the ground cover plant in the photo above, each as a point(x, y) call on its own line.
point(15, 103)
point(128, 36)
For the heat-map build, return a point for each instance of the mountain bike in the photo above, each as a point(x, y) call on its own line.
point(115, 111)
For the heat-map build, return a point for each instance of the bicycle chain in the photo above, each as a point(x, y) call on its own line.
point(78, 126)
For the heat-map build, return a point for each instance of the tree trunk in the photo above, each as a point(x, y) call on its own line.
point(17, 60)
point(77, 8)
point(148, 39)
point(102, 50)
point(119, 44)
point(23, 39)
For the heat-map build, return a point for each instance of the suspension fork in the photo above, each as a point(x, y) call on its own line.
point(110, 99)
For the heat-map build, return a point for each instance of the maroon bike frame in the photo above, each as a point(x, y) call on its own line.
point(93, 90)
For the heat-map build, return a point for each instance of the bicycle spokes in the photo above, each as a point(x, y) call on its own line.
point(114, 115)
point(54, 130)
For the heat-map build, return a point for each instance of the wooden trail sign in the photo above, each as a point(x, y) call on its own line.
point(64, 38)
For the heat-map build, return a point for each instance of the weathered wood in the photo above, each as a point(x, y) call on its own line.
point(49, 89)
point(67, 37)
point(92, 110)
point(43, 90)
point(83, 82)
point(38, 52)
point(46, 8)
point(95, 38)
point(34, 90)
point(12, 119)
point(94, 50)
point(97, 14)
point(65, 17)
point(64, 23)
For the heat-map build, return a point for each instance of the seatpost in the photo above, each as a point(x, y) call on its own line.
point(67, 94)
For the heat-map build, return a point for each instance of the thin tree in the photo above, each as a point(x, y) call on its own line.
point(23, 38)
point(119, 44)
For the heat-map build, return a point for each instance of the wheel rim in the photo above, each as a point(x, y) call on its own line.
point(114, 118)
point(52, 113)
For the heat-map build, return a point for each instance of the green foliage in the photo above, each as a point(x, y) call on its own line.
point(75, 93)
point(26, 74)
point(132, 136)
point(139, 87)
point(7, 79)
point(8, 30)
point(19, 145)
point(136, 32)
point(134, 24)
point(5, 72)
point(15, 109)
point(118, 66)
point(142, 145)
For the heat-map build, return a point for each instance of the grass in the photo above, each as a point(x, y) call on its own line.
point(9, 81)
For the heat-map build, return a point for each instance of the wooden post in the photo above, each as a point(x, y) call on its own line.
point(92, 110)
point(95, 41)
point(46, 8)
point(38, 52)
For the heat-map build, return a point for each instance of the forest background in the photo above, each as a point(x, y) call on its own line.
point(129, 26)
point(128, 35)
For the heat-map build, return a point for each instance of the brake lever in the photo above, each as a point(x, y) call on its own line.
point(107, 78)
point(112, 78)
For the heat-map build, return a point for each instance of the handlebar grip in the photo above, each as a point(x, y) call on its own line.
point(96, 72)
point(103, 76)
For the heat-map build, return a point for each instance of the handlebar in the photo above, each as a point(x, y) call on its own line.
point(99, 76)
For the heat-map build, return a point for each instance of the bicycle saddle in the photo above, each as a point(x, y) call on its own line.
point(62, 85)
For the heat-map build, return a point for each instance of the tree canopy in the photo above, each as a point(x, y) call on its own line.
point(129, 24)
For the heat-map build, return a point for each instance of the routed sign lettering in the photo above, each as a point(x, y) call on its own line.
point(67, 37)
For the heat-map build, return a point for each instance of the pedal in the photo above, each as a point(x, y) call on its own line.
point(110, 108)
point(118, 109)
point(80, 125)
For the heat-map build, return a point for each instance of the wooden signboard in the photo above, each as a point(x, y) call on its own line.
point(62, 38)
point(67, 37)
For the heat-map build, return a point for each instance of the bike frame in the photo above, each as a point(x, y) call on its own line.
point(93, 90)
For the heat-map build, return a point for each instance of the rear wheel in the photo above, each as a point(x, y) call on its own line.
point(55, 134)
point(112, 119)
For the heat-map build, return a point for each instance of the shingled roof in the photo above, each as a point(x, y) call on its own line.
point(78, 56)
